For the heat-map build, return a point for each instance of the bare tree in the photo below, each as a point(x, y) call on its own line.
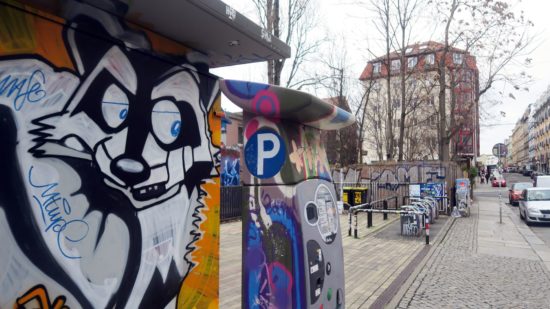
point(291, 23)
point(383, 8)
point(495, 34)
point(405, 12)
point(342, 145)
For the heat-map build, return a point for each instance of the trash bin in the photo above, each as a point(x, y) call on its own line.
point(359, 196)
point(346, 197)
point(353, 196)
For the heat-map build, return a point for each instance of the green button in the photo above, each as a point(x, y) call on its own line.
point(329, 294)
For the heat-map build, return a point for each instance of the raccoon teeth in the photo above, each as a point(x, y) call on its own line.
point(148, 192)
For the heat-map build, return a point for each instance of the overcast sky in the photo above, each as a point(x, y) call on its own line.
point(354, 24)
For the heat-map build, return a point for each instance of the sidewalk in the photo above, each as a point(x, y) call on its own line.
point(484, 264)
point(371, 263)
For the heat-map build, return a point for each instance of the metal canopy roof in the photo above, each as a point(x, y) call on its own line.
point(210, 26)
point(224, 35)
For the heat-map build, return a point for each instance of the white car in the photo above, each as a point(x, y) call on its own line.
point(534, 205)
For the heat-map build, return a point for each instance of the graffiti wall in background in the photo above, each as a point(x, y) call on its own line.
point(392, 179)
point(290, 222)
point(109, 191)
point(230, 166)
point(399, 173)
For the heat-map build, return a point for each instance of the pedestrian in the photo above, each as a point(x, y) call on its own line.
point(487, 177)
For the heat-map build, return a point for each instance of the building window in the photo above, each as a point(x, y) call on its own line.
point(429, 59)
point(395, 64)
point(457, 58)
point(376, 67)
point(411, 62)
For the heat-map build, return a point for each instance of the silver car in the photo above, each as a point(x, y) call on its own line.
point(534, 205)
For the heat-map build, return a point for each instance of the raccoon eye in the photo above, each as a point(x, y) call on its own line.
point(114, 106)
point(166, 119)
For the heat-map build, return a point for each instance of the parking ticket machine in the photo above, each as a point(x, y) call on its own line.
point(292, 246)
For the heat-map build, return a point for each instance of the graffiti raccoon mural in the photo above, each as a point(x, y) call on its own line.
point(105, 158)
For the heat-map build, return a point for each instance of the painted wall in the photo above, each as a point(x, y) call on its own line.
point(230, 166)
point(109, 190)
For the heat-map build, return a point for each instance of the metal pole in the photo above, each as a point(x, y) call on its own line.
point(500, 206)
point(369, 219)
point(355, 230)
point(427, 218)
point(350, 215)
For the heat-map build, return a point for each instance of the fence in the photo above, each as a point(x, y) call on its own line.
point(378, 191)
point(231, 202)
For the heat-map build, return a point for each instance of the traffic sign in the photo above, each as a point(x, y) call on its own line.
point(264, 153)
point(500, 150)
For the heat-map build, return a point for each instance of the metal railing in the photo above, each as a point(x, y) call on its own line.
point(231, 202)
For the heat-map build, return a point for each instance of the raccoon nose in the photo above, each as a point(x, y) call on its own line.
point(130, 170)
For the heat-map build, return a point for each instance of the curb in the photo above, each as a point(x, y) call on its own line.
point(404, 286)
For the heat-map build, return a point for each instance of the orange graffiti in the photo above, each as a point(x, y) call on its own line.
point(200, 288)
point(40, 294)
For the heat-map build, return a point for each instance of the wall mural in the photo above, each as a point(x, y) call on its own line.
point(110, 160)
point(292, 247)
point(230, 166)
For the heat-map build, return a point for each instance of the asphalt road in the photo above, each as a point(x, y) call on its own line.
point(542, 230)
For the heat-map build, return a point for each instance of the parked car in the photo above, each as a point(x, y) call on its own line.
point(498, 181)
point(534, 205)
point(515, 191)
point(542, 181)
point(527, 172)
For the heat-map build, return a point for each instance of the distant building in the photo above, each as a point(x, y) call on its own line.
point(541, 132)
point(520, 141)
point(232, 129)
point(422, 89)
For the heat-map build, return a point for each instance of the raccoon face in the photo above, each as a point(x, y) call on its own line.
point(139, 121)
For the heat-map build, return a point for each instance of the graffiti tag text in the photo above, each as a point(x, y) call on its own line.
point(23, 90)
point(54, 207)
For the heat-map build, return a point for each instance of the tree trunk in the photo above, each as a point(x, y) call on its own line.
point(389, 120)
point(403, 98)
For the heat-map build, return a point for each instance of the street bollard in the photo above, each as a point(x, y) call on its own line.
point(500, 207)
point(350, 215)
point(427, 230)
point(369, 219)
point(355, 228)
point(385, 208)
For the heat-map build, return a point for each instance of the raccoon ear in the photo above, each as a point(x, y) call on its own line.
point(87, 41)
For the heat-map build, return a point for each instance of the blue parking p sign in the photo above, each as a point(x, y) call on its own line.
point(264, 153)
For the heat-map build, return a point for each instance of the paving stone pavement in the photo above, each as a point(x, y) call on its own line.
point(457, 276)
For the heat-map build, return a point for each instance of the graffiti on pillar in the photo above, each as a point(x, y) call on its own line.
point(109, 190)
point(230, 167)
point(273, 251)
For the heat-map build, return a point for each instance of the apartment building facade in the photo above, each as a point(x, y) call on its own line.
point(421, 102)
